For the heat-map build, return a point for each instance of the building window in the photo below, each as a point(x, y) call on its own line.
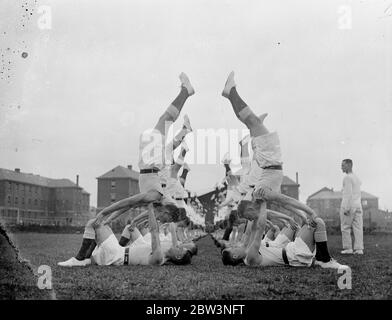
point(9, 200)
point(113, 197)
point(16, 200)
point(35, 202)
point(113, 184)
point(29, 202)
point(16, 187)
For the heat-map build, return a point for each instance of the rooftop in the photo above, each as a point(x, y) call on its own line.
point(35, 179)
point(327, 193)
point(121, 172)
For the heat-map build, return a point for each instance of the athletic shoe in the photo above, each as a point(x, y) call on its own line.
point(228, 85)
point(73, 262)
point(187, 123)
point(347, 251)
point(186, 167)
point(358, 252)
point(331, 264)
point(186, 83)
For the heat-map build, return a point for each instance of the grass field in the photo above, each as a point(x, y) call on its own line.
point(207, 277)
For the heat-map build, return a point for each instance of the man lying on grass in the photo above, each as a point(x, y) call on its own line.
point(293, 246)
point(108, 251)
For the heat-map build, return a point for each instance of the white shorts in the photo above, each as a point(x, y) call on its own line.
point(267, 179)
point(151, 150)
point(280, 241)
point(266, 149)
point(109, 252)
point(299, 254)
point(164, 174)
point(149, 182)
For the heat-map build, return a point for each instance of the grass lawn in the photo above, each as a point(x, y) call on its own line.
point(207, 277)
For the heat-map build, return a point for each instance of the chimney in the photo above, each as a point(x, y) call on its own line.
point(130, 167)
point(296, 177)
point(17, 169)
point(77, 180)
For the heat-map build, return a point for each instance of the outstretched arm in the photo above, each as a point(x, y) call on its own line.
point(247, 235)
point(131, 202)
point(115, 215)
point(253, 258)
point(173, 229)
point(157, 254)
point(300, 214)
point(281, 216)
point(241, 231)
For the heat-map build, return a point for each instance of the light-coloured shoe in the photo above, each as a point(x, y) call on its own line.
point(186, 167)
point(87, 262)
point(347, 251)
point(228, 85)
point(245, 140)
point(185, 82)
point(358, 252)
point(187, 123)
point(331, 264)
point(262, 117)
point(73, 262)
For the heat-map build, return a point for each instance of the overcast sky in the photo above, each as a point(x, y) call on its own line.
point(105, 70)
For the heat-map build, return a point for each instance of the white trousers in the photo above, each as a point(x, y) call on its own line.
point(352, 221)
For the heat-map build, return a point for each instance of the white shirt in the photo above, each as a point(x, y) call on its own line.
point(351, 192)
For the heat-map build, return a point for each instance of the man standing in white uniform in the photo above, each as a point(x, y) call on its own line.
point(351, 214)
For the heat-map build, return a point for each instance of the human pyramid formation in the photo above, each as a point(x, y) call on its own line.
point(164, 232)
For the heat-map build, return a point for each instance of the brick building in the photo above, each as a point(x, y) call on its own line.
point(117, 184)
point(326, 203)
point(27, 198)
